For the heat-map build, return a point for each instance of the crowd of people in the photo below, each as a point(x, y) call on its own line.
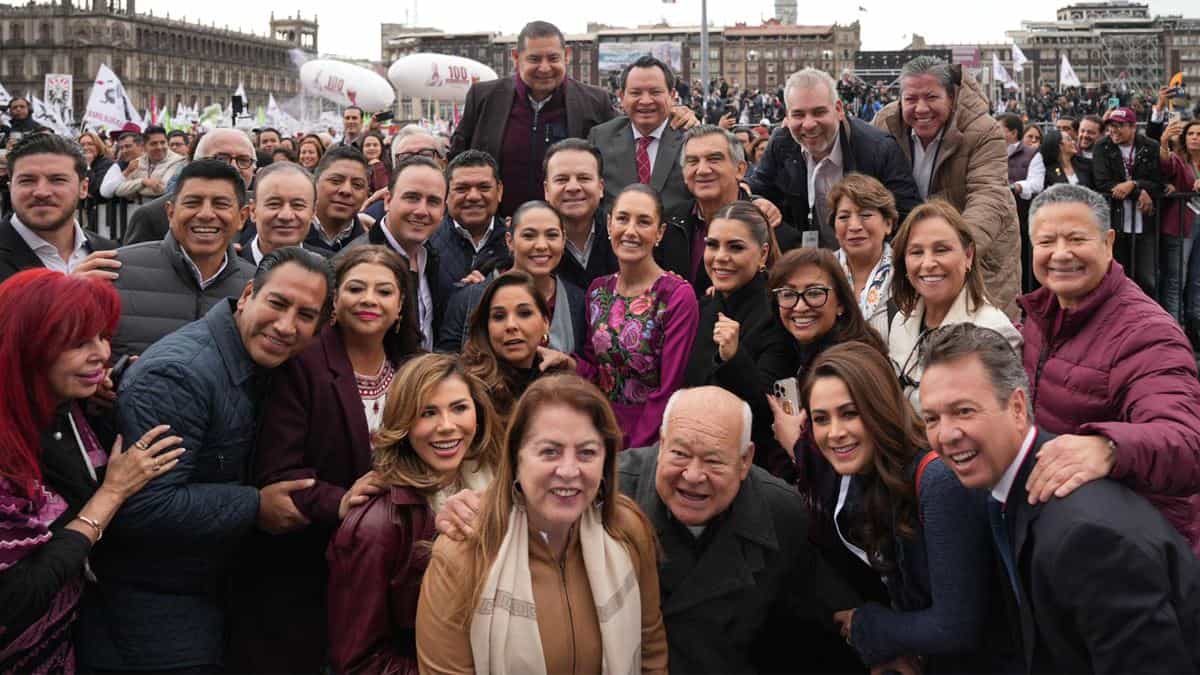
point(579, 391)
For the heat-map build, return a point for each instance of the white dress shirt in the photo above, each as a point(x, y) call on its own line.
point(48, 253)
point(1035, 177)
point(204, 283)
point(112, 179)
point(424, 293)
point(822, 176)
point(255, 251)
point(652, 149)
point(466, 234)
point(1001, 489)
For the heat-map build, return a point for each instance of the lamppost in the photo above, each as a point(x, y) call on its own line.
point(704, 65)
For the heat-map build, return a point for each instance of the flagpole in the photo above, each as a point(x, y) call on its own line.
point(704, 65)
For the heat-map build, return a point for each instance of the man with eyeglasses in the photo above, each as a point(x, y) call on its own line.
point(231, 146)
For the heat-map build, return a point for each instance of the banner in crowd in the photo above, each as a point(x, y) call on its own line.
point(58, 95)
point(48, 117)
point(108, 105)
point(5, 97)
point(1066, 74)
point(615, 56)
point(1018, 59)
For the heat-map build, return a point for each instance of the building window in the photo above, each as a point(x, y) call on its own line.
point(45, 66)
point(79, 67)
point(16, 32)
point(46, 33)
point(14, 67)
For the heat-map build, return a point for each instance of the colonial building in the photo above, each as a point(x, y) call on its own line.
point(170, 59)
point(762, 57)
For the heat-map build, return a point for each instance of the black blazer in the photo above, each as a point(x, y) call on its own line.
point(15, 254)
point(489, 104)
point(1107, 584)
point(615, 141)
point(601, 262)
point(751, 593)
point(764, 355)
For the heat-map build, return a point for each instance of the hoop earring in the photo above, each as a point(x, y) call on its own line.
point(546, 340)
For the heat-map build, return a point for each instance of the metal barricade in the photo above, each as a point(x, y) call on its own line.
point(1128, 245)
point(108, 219)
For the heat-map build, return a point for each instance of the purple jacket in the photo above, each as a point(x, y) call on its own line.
point(1119, 366)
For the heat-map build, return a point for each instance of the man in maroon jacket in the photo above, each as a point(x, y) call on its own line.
point(1110, 371)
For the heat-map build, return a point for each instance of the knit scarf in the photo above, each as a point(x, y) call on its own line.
point(504, 633)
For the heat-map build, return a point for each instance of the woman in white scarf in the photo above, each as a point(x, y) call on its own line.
point(562, 575)
point(864, 216)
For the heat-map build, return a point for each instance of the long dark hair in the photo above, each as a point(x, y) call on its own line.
point(404, 339)
point(895, 431)
point(478, 356)
point(1051, 149)
point(850, 325)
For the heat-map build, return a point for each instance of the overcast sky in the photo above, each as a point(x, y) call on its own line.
point(886, 24)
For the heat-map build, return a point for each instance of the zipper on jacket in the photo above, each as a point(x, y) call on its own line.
point(562, 576)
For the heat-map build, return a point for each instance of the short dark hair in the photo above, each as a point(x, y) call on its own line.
point(353, 107)
point(539, 29)
point(211, 169)
point(1090, 118)
point(1074, 122)
point(1012, 122)
point(641, 188)
point(410, 163)
point(270, 130)
point(1003, 365)
point(472, 158)
point(135, 135)
point(576, 145)
point(48, 144)
point(154, 131)
point(283, 167)
point(309, 261)
point(338, 153)
point(282, 154)
point(647, 61)
point(177, 133)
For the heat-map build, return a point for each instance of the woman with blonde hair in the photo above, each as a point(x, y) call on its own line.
point(439, 435)
point(310, 151)
point(562, 572)
point(99, 159)
point(936, 282)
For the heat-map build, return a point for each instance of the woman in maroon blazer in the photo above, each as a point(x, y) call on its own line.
point(322, 408)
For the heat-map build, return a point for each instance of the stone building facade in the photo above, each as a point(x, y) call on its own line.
point(170, 59)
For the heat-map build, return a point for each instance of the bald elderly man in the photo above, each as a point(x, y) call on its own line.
point(743, 590)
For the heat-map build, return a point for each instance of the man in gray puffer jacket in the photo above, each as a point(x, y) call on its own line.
point(166, 284)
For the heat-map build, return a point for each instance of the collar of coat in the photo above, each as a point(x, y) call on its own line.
point(222, 323)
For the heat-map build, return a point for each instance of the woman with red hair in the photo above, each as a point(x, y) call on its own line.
point(56, 494)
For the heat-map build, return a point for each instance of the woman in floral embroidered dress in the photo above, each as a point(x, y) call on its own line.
point(641, 322)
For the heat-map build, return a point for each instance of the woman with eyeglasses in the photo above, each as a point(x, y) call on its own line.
point(738, 346)
point(817, 309)
point(936, 283)
point(864, 215)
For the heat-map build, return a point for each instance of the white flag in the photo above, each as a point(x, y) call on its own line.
point(1018, 59)
point(47, 117)
point(999, 74)
point(273, 112)
point(4, 96)
point(1066, 74)
point(108, 106)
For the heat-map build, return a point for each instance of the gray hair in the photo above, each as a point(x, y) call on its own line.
point(273, 168)
point(747, 420)
point(736, 152)
point(810, 78)
point(929, 65)
point(1000, 361)
point(415, 130)
point(1065, 193)
point(202, 151)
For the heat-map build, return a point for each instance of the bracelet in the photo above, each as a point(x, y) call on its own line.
point(92, 524)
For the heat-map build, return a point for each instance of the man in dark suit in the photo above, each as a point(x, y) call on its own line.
point(516, 119)
point(1101, 581)
point(817, 145)
point(743, 590)
point(575, 188)
point(48, 180)
point(641, 147)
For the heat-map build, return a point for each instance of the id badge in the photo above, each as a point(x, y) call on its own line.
point(809, 239)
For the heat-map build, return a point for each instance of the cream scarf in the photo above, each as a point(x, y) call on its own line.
point(504, 632)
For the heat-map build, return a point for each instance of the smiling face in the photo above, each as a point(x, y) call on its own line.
point(925, 105)
point(515, 326)
point(542, 64)
point(860, 231)
point(371, 148)
point(283, 209)
point(573, 184)
point(77, 372)
point(732, 257)
point(560, 464)
point(280, 320)
point(417, 205)
point(700, 466)
point(838, 427)
point(45, 191)
point(474, 196)
point(976, 435)
point(645, 98)
point(368, 301)
point(445, 426)
point(341, 189)
point(1089, 132)
point(936, 261)
point(178, 145)
point(808, 324)
point(1070, 256)
point(1121, 133)
point(709, 172)
point(309, 156)
point(352, 122)
point(813, 117)
point(537, 242)
point(634, 227)
point(156, 147)
point(268, 141)
point(205, 216)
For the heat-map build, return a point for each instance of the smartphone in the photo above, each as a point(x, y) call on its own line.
point(787, 391)
point(1174, 116)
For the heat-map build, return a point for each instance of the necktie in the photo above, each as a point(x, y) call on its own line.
point(643, 159)
point(1003, 546)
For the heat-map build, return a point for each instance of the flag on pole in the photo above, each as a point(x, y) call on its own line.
point(47, 117)
point(108, 105)
point(999, 73)
point(4, 95)
point(1018, 59)
point(1066, 74)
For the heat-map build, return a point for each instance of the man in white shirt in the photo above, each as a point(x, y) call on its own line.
point(130, 148)
point(48, 180)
